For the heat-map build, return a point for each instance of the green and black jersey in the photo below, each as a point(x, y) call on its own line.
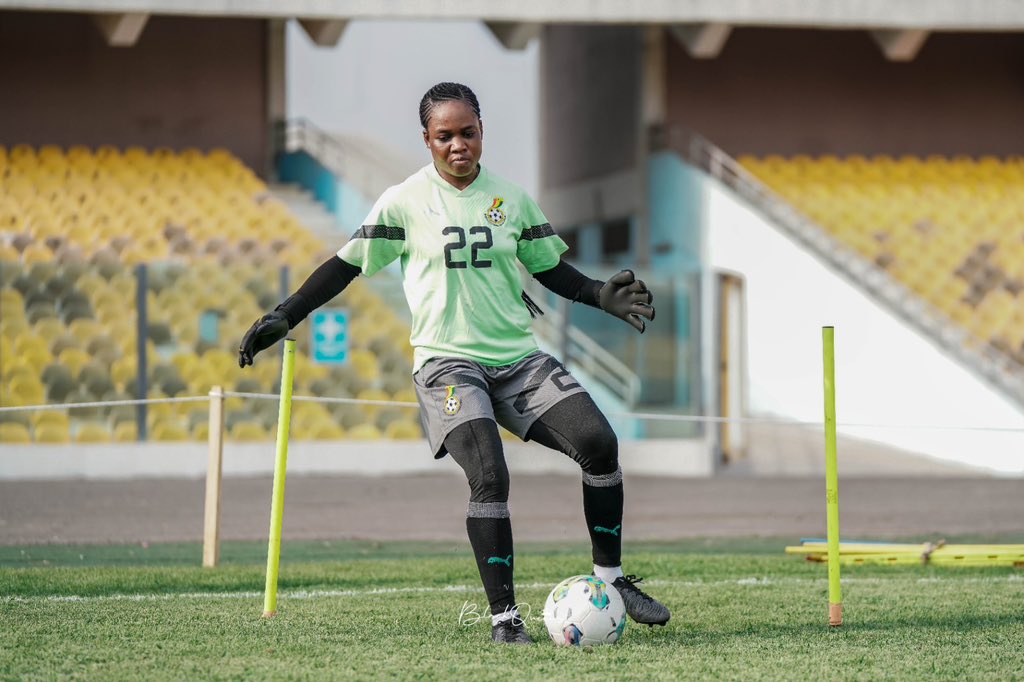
point(458, 250)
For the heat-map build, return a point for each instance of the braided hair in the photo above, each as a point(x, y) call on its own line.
point(446, 92)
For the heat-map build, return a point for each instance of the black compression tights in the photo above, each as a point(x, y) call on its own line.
point(476, 446)
point(574, 426)
point(577, 427)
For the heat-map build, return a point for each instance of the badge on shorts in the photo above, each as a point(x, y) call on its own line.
point(495, 216)
point(452, 403)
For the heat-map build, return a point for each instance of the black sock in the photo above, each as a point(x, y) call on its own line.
point(602, 507)
point(490, 534)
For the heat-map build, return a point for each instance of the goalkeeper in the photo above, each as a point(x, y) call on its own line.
point(459, 231)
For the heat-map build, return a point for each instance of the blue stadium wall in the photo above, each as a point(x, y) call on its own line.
point(346, 203)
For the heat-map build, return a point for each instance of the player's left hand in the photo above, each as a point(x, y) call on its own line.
point(628, 298)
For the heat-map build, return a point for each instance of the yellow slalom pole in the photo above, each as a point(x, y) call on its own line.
point(284, 417)
point(835, 597)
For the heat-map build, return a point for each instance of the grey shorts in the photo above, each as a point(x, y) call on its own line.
point(452, 391)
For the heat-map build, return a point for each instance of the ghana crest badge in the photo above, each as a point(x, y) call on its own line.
point(452, 403)
point(495, 216)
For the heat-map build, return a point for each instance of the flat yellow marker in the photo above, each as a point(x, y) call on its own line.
point(937, 553)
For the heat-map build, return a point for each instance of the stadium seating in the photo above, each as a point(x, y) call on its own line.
point(951, 230)
point(92, 432)
point(403, 430)
point(51, 433)
point(139, 206)
point(73, 224)
point(125, 432)
point(11, 432)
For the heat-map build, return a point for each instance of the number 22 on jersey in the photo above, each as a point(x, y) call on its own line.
point(481, 238)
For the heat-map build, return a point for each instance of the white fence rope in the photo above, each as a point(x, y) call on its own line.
point(644, 416)
point(104, 403)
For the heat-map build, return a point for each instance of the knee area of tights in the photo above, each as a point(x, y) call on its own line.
point(491, 484)
point(601, 446)
point(485, 494)
point(601, 459)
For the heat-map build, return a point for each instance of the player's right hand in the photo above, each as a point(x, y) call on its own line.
point(263, 334)
point(628, 298)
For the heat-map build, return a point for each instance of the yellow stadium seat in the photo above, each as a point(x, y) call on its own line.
point(405, 395)
point(74, 359)
point(51, 432)
point(48, 328)
point(24, 343)
point(363, 432)
point(36, 253)
point(37, 356)
point(85, 328)
point(403, 430)
point(24, 390)
point(11, 298)
point(14, 433)
point(248, 431)
point(321, 430)
point(92, 432)
point(365, 364)
point(370, 410)
point(124, 371)
point(18, 368)
point(13, 326)
point(159, 412)
point(169, 430)
point(50, 418)
point(125, 431)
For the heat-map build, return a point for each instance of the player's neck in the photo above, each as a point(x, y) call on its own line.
point(457, 182)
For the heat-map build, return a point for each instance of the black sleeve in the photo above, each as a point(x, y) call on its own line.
point(570, 283)
point(326, 282)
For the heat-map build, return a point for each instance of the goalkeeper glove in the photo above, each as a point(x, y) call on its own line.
point(263, 334)
point(628, 298)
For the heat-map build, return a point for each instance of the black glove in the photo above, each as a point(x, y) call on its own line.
point(263, 334)
point(626, 297)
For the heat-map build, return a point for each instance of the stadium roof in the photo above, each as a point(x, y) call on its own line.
point(702, 26)
point(975, 15)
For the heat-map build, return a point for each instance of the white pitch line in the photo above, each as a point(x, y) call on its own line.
point(377, 591)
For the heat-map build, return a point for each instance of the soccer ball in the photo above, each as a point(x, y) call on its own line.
point(584, 611)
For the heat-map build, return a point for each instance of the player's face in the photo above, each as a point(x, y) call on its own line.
point(454, 136)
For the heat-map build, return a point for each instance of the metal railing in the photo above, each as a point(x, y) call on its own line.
point(998, 370)
point(582, 351)
point(367, 171)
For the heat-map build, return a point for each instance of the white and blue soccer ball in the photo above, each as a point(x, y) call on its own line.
point(584, 611)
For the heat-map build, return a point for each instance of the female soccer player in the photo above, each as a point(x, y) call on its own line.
point(458, 231)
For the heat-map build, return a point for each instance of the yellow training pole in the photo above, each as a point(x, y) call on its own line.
point(835, 597)
point(284, 417)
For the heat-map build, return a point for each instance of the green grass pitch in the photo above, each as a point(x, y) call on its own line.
point(741, 610)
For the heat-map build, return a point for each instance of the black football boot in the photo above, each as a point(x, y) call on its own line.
point(640, 606)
